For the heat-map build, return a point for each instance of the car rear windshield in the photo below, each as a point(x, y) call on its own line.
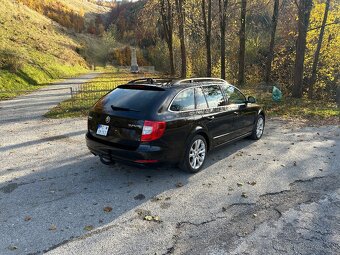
point(132, 98)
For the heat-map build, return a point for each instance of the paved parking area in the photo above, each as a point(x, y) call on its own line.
point(280, 195)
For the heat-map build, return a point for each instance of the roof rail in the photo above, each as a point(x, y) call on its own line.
point(192, 80)
point(148, 80)
point(156, 81)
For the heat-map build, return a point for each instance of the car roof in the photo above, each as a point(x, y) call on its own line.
point(175, 83)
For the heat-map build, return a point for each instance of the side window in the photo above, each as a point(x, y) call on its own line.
point(214, 96)
point(234, 95)
point(201, 103)
point(184, 101)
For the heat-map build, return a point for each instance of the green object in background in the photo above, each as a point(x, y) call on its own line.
point(277, 94)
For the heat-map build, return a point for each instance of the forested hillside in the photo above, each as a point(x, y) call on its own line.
point(41, 41)
point(292, 44)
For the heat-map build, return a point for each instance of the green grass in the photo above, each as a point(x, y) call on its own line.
point(303, 108)
point(46, 51)
point(90, 93)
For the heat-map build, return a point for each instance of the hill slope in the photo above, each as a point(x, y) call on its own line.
point(33, 49)
point(86, 6)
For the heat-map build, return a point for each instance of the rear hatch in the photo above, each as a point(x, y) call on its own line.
point(118, 118)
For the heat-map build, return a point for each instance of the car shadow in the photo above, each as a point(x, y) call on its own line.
point(80, 193)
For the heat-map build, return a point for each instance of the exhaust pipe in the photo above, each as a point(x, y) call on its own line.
point(107, 161)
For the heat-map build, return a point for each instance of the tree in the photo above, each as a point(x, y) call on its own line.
point(242, 39)
point(304, 10)
point(207, 32)
point(317, 52)
point(223, 5)
point(270, 56)
point(181, 27)
point(166, 12)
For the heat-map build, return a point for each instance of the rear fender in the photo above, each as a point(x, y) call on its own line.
point(200, 130)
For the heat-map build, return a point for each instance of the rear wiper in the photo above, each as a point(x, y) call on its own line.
point(116, 108)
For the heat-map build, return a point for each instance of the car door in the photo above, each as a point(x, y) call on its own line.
point(218, 117)
point(182, 117)
point(244, 115)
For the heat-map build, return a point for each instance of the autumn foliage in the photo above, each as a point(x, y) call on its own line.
point(58, 12)
point(122, 57)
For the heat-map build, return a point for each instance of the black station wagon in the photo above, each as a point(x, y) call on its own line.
point(151, 121)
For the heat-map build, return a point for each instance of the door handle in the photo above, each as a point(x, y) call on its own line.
point(211, 117)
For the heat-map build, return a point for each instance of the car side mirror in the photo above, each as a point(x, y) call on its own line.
point(251, 100)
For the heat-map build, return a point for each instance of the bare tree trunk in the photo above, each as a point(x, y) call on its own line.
point(207, 32)
point(223, 5)
point(167, 21)
point(181, 27)
point(242, 38)
point(272, 41)
point(305, 7)
point(317, 52)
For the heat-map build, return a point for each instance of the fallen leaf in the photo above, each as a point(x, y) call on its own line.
point(28, 218)
point(239, 184)
point(148, 218)
point(88, 228)
point(12, 247)
point(244, 195)
point(107, 209)
point(254, 215)
point(152, 218)
point(252, 183)
point(179, 184)
point(156, 199)
point(283, 165)
point(52, 227)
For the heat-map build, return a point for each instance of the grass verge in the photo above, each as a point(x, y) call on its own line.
point(315, 111)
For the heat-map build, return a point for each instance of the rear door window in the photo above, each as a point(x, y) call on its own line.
point(201, 103)
point(184, 101)
point(214, 96)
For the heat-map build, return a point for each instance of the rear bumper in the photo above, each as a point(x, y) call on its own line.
point(144, 155)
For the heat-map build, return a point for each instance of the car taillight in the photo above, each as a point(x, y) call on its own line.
point(152, 130)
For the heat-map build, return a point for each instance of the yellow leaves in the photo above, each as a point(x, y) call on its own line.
point(88, 228)
point(152, 218)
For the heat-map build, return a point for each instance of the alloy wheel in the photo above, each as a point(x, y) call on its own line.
point(197, 154)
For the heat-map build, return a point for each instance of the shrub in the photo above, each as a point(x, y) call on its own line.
point(11, 60)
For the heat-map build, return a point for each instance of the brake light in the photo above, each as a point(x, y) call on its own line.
point(152, 130)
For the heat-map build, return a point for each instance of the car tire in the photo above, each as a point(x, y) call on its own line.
point(195, 155)
point(258, 128)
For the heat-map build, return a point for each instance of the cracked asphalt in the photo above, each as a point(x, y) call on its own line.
point(279, 195)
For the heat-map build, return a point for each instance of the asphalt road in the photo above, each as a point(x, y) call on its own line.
point(279, 195)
